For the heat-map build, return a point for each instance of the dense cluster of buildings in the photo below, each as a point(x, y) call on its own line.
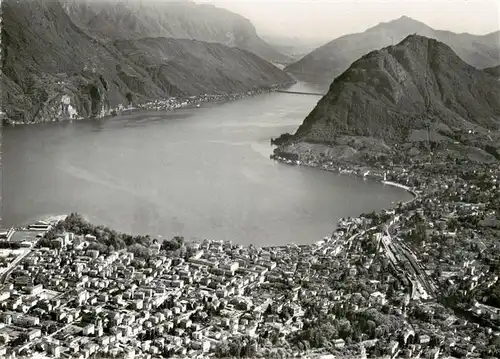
point(404, 282)
point(77, 302)
point(173, 103)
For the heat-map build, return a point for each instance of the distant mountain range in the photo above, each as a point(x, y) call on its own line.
point(50, 63)
point(293, 47)
point(417, 90)
point(128, 19)
point(333, 58)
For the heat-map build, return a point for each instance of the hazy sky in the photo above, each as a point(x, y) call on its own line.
point(328, 19)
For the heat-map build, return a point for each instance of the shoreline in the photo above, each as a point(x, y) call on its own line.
point(394, 184)
point(54, 219)
point(348, 171)
point(51, 219)
point(166, 104)
point(354, 169)
point(406, 188)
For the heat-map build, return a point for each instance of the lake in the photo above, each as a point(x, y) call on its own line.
point(200, 173)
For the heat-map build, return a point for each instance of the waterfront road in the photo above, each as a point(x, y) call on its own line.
point(13, 264)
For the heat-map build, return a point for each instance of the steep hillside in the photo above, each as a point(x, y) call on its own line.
point(194, 67)
point(127, 20)
point(330, 60)
point(52, 69)
point(494, 71)
point(402, 94)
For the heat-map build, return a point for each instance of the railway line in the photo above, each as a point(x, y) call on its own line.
point(405, 263)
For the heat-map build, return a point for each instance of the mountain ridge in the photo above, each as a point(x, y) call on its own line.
point(330, 60)
point(130, 20)
point(399, 93)
point(178, 63)
point(83, 76)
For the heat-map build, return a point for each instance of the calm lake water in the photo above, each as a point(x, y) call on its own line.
point(200, 173)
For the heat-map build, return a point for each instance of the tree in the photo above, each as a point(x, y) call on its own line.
point(274, 338)
point(190, 251)
point(173, 244)
point(250, 349)
point(344, 329)
point(438, 272)
point(139, 251)
point(381, 331)
point(235, 348)
point(390, 292)
point(286, 313)
point(222, 350)
point(129, 98)
point(453, 224)
point(370, 328)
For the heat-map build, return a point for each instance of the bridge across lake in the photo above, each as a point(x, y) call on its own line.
point(302, 93)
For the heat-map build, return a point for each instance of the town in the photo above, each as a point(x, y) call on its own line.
point(68, 112)
point(417, 280)
point(173, 103)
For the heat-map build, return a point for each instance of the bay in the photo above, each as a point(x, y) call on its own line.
point(200, 173)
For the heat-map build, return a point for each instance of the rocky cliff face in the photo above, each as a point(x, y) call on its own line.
point(48, 59)
point(405, 93)
point(120, 20)
point(330, 60)
point(52, 70)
